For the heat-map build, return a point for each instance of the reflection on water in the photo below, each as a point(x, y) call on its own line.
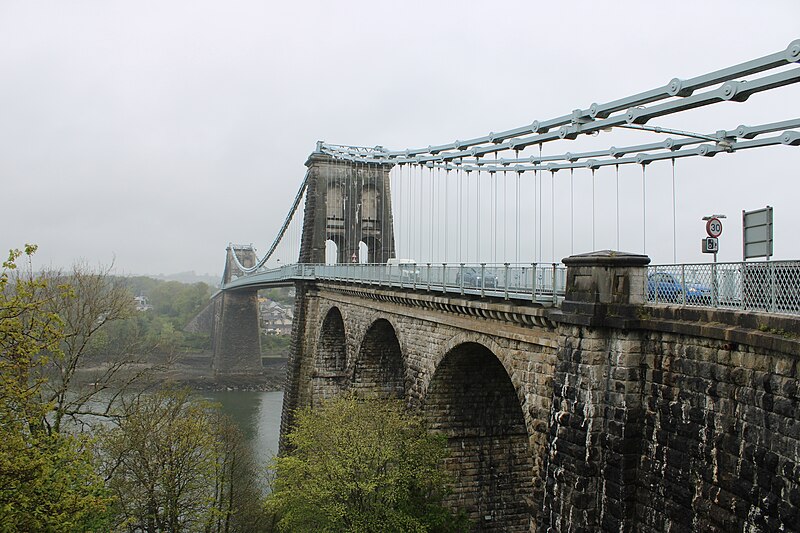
point(258, 415)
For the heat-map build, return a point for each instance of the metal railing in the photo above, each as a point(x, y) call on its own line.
point(769, 286)
point(542, 283)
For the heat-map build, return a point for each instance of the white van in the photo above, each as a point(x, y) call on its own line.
point(403, 270)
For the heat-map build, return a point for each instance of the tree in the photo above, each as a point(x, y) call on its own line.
point(174, 305)
point(238, 493)
point(47, 480)
point(361, 465)
point(179, 301)
point(175, 464)
point(102, 354)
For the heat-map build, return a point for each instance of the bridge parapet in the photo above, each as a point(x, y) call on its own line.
point(604, 283)
point(766, 286)
point(668, 417)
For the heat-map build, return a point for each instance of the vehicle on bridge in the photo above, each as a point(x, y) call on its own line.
point(472, 278)
point(403, 270)
point(665, 287)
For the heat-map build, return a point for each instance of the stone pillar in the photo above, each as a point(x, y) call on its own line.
point(335, 209)
point(604, 285)
point(347, 203)
point(596, 420)
point(236, 335)
point(237, 346)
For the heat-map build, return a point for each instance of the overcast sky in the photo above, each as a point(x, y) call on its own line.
point(152, 133)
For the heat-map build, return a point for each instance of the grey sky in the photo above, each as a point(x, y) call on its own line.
point(156, 132)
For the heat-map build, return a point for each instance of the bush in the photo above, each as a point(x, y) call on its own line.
point(361, 465)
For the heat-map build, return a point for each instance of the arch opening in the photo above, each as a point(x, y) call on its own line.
point(472, 401)
point(379, 369)
point(331, 252)
point(363, 253)
point(329, 377)
point(332, 347)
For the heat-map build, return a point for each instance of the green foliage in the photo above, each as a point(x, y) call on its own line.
point(87, 302)
point(175, 304)
point(47, 480)
point(179, 302)
point(48, 483)
point(158, 330)
point(280, 295)
point(361, 465)
point(171, 464)
point(275, 344)
point(26, 329)
point(175, 464)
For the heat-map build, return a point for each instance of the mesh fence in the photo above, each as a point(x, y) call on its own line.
point(770, 286)
point(544, 283)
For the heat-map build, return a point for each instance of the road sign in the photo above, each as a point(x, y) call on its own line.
point(714, 227)
point(757, 233)
point(710, 245)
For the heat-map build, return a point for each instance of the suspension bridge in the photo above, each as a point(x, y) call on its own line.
point(499, 204)
point(575, 393)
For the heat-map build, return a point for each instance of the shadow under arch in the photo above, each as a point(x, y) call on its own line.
point(332, 346)
point(329, 377)
point(472, 401)
point(379, 370)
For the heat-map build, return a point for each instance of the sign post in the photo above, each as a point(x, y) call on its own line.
point(710, 244)
point(714, 227)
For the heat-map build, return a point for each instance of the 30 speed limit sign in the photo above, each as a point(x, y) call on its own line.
point(714, 227)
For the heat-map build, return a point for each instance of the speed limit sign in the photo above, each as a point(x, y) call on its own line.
point(714, 227)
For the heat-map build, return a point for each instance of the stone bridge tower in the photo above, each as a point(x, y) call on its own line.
point(236, 335)
point(347, 203)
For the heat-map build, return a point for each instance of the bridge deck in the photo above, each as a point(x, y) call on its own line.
point(529, 282)
point(769, 286)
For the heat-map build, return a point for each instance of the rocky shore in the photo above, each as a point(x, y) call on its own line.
point(195, 372)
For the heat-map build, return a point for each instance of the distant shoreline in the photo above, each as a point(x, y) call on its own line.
point(194, 371)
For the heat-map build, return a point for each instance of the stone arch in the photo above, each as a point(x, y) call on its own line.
point(331, 251)
point(332, 345)
point(472, 400)
point(329, 377)
point(379, 369)
point(364, 251)
point(503, 355)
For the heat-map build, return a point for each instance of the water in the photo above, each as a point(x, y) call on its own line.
point(258, 415)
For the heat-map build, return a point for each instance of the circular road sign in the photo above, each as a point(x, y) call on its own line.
point(714, 227)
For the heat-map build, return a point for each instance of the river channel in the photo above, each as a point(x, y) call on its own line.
point(258, 414)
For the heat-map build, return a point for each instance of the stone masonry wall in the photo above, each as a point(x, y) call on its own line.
point(721, 437)
point(486, 431)
point(662, 431)
point(604, 415)
point(501, 455)
point(237, 343)
point(595, 428)
point(379, 369)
